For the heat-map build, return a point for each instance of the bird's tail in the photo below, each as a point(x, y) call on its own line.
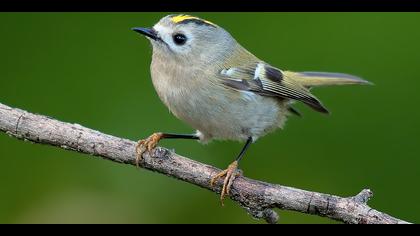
point(315, 79)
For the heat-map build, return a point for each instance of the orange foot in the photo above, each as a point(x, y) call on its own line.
point(147, 145)
point(230, 174)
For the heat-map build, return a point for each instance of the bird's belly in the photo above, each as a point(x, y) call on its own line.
point(228, 115)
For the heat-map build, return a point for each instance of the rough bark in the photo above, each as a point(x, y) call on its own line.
point(258, 198)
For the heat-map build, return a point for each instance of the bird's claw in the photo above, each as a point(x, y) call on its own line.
point(230, 174)
point(147, 144)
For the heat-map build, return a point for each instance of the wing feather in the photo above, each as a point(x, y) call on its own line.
point(266, 80)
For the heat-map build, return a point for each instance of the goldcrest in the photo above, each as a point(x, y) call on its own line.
point(209, 81)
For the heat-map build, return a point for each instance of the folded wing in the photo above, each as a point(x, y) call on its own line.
point(266, 80)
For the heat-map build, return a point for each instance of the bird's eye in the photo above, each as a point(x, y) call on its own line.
point(179, 39)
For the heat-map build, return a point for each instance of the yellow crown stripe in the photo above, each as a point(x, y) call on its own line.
point(180, 18)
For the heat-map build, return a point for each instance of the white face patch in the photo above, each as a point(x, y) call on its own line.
point(166, 34)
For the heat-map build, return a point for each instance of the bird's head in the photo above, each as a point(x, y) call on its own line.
point(188, 39)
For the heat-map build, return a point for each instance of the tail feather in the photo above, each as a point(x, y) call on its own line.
point(315, 79)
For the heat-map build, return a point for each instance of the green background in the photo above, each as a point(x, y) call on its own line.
point(91, 69)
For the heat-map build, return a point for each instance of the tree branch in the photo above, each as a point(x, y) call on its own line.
point(258, 198)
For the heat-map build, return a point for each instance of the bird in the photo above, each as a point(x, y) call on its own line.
point(223, 91)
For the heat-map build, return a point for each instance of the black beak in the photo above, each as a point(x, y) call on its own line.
point(151, 33)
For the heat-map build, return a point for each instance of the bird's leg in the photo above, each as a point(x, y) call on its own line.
point(150, 143)
point(230, 173)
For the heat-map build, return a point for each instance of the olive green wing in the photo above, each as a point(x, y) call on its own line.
point(266, 80)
